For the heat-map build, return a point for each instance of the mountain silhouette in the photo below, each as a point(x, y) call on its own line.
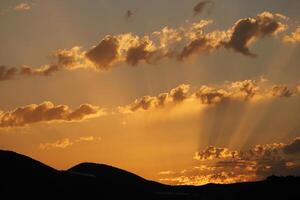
point(26, 178)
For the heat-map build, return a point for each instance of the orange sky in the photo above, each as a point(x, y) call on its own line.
point(174, 92)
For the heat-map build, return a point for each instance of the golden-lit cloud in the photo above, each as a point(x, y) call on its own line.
point(63, 60)
point(203, 44)
point(63, 143)
point(237, 91)
point(293, 37)
point(222, 165)
point(175, 95)
point(298, 88)
point(180, 43)
point(247, 30)
point(166, 172)
point(7, 73)
point(66, 142)
point(210, 95)
point(22, 7)
point(245, 89)
point(223, 177)
point(281, 91)
point(212, 152)
point(241, 91)
point(46, 112)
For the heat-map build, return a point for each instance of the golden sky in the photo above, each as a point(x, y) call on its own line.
point(179, 92)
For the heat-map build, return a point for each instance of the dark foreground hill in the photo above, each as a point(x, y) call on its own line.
point(24, 178)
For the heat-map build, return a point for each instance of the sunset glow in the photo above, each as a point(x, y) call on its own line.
point(180, 92)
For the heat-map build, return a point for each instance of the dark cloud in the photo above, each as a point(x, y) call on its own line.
point(139, 53)
point(248, 30)
point(199, 7)
point(46, 112)
point(7, 73)
point(105, 53)
point(293, 148)
point(201, 43)
point(198, 46)
point(128, 14)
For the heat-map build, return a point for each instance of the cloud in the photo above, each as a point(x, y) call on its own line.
point(46, 112)
point(131, 49)
point(66, 142)
point(247, 30)
point(293, 37)
point(105, 53)
point(209, 95)
point(238, 91)
point(199, 7)
point(7, 73)
point(263, 159)
point(293, 148)
point(221, 177)
point(202, 44)
point(174, 96)
point(180, 93)
point(246, 89)
point(298, 87)
point(212, 152)
point(46, 70)
point(223, 165)
point(281, 91)
point(167, 43)
point(144, 51)
point(197, 46)
point(63, 60)
point(128, 14)
point(166, 172)
point(22, 7)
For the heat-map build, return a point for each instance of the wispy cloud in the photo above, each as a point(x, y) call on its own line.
point(7, 73)
point(66, 142)
point(22, 7)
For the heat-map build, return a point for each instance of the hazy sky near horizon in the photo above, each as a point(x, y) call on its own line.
point(87, 81)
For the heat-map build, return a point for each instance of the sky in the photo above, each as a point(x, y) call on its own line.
point(180, 92)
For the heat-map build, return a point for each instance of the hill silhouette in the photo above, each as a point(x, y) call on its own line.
point(24, 177)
